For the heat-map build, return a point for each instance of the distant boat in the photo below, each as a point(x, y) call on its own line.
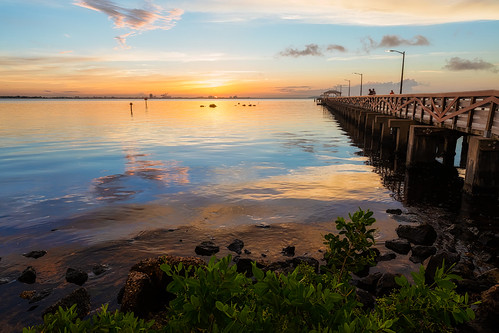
point(213, 105)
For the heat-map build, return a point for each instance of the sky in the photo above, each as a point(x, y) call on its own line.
point(246, 48)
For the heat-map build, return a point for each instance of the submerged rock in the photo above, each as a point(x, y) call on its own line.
point(288, 251)
point(207, 249)
point(35, 254)
point(28, 276)
point(236, 246)
point(76, 276)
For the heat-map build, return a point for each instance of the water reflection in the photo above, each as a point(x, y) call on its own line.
point(436, 186)
point(116, 187)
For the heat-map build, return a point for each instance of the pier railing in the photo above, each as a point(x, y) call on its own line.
point(470, 112)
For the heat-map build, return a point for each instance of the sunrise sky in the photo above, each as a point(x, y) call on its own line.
point(256, 48)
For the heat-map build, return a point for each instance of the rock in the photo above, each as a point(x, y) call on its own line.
point(99, 269)
point(401, 246)
point(471, 286)
point(28, 276)
point(490, 302)
point(139, 294)
point(247, 251)
point(436, 261)
point(420, 235)
point(489, 239)
point(386, 284)
point(394, 211)
point(4, 281)
point(39, 295)
point(366, 299)
point(76, 276)
point(386, 257)
point(244, 265)
point(288, 251)
point(491, 276)
point(369, 282)
point(145, 287)
point(80, 297)
point(306, 260)
point(236, 246)
point(263, 225)
point(35, 254)
point(421, 252)
point(27, 294)
point(207, 249)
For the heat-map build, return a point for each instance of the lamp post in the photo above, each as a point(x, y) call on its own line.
point(360, 82)
point(403, 60)
point(348, 87)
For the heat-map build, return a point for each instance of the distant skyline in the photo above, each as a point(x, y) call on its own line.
point(255, 48)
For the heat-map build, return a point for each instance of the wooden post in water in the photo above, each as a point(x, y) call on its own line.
point(145, 99)
point(131, 108)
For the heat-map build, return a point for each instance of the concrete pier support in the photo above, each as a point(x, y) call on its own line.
point(482, 167)
point(427, 143)
point(381, 124)
point(402, 127)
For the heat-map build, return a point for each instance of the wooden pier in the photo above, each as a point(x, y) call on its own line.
point(424, 128)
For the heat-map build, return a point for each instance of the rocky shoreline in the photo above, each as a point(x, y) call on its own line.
point(473, 252)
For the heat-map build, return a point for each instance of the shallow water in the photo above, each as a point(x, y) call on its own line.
point(91, 182)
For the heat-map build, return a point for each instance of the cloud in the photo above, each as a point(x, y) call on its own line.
point(358, 12)
point(392, 41)
point(151, 17)
point(459, 64)
point(310, 50)
point(334, 47)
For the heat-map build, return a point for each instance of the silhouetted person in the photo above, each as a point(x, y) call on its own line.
point(391, 92)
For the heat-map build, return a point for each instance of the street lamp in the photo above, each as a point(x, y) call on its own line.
point(403, 60)
point(360, 82)
point(348, 87)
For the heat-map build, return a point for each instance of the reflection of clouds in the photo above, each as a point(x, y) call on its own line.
point(327, 183)
point(115, 187)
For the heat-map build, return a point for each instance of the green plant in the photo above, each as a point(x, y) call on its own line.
point(428, 308)
point(351, 251)
point(65, 320)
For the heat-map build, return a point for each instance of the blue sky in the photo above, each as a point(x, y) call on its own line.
point(257, 48)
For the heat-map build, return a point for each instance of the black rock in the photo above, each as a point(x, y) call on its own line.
point(247, 251)
point(207, 249)
point(369, 282)
point(99, 269)
point(401, 246)
point(436, 261)
point(35, 254)
point(28, 276)
point(4, 281)
point(366, 299)
point(421, 252)
point(394, 211)
point(386, 284)
point(306, 260)
point(288, 251)
point(76, 276)
point(39, 295)
point(236, 246)
point(80, 297)
point(421, 235)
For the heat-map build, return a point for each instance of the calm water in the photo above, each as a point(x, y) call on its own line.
point(78, 175)
point(63, 158)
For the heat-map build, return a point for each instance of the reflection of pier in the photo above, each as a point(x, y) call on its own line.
point(424, 129)
point(417, 161)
